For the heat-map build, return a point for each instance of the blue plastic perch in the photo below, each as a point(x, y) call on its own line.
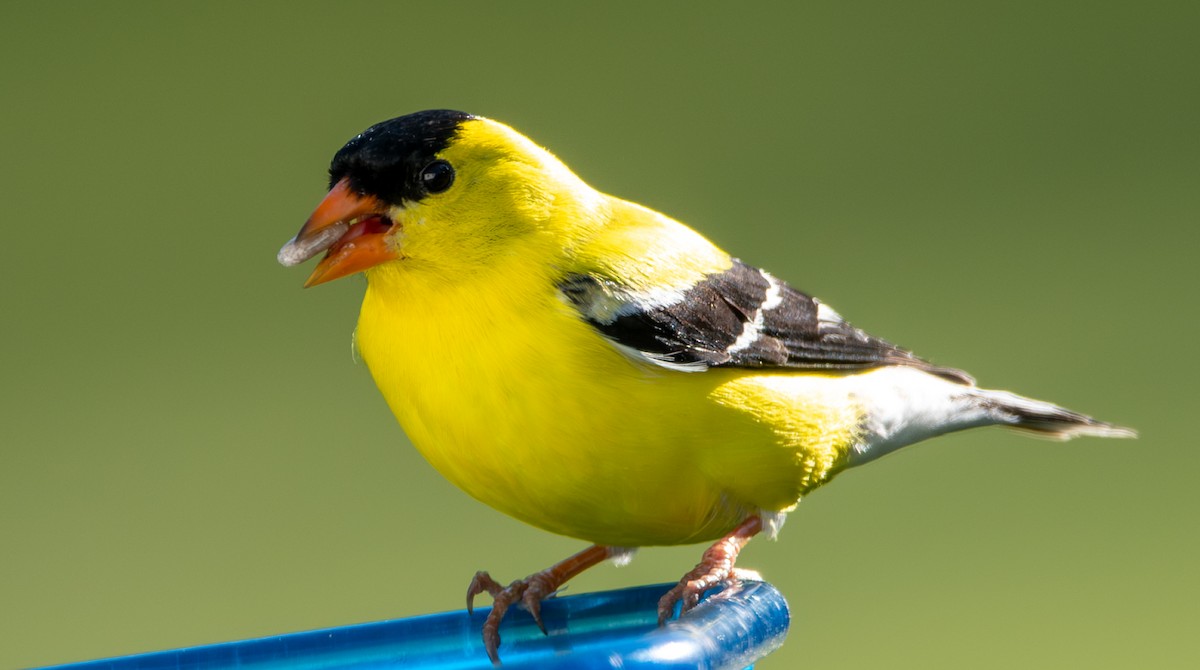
point(732, 628)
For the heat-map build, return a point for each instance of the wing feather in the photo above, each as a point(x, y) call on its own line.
point(742, 317)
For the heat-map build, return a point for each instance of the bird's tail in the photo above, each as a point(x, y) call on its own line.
point(1043, 418)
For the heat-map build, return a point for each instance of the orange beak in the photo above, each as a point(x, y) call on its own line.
point(350, 228)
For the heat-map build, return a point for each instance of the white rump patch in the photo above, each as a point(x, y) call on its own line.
point(905, 405)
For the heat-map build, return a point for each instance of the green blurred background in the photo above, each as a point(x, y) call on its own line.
point(190, 453)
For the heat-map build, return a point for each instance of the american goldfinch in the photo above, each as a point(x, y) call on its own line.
point(600, 370)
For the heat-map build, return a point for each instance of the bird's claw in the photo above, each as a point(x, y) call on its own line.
point(715, 567)
point(530, 592)
point(692, 586)
point(481, 582)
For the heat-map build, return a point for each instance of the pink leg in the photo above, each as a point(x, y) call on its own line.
point(715, 567)
point(529, 591)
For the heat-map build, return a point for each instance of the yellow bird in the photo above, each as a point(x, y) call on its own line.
point(600, 370)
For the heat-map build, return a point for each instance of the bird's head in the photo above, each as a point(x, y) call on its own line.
point(444, 190)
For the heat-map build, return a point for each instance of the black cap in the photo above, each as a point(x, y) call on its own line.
point(386, 159)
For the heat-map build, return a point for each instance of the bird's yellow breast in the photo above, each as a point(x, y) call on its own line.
point(516, 400)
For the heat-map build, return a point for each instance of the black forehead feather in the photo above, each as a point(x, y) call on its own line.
point(385, 160)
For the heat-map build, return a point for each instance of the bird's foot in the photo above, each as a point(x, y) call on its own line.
point(715, 566)
point(529, 592)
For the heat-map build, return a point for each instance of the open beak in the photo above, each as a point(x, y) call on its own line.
point(350, 228)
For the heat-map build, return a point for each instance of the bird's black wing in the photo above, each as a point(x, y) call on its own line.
point(742, 317)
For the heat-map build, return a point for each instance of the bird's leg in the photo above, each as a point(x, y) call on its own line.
point(529, 591)
point(715, 567)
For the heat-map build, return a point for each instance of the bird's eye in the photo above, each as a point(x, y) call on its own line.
point(437, 176)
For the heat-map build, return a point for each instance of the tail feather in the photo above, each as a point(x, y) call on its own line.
point(903, 405)
point(1045, 419)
